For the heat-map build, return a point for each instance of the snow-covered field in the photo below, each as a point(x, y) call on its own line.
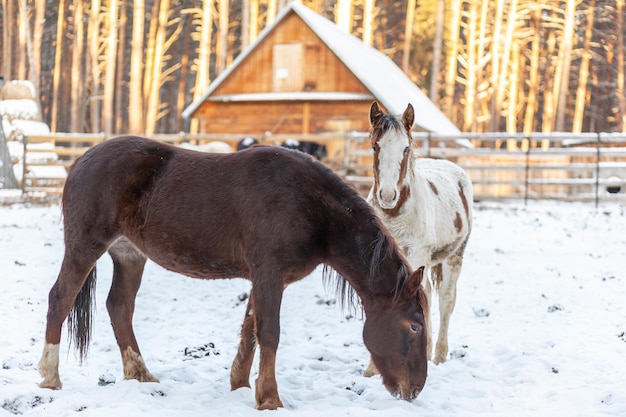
point(539, 330)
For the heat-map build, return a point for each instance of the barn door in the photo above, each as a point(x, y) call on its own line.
point(288, 74)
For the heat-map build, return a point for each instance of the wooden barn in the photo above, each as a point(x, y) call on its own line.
point(303, 75)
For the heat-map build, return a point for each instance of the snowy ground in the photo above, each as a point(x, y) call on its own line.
point(539, 330)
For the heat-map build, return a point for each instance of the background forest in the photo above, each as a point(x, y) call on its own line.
point(120, 66)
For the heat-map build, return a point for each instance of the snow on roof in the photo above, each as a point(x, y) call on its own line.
point(385, 80)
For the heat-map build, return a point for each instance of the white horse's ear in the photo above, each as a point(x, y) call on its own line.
point(408, 117)
point(415, 281)
point(375, 113)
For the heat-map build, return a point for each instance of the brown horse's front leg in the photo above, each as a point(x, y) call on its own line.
point(267, 299)
point(240, 370)
point(266, 393)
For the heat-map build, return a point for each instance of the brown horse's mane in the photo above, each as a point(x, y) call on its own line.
point(383, 247)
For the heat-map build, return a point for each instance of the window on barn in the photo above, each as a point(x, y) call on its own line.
point(287, 65)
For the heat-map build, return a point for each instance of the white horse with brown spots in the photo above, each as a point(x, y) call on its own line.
point(427, 206)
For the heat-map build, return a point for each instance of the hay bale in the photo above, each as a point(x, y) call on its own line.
point(17, 90)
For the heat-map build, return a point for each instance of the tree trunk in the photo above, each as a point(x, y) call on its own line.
point(253, 32)
point(271, 12)
point(548, 101)
point(94, 65)
point(135, 117)
point(245, 24)
point(56, 79)
point(40, 13)
point(583, 76)
point(24, 52)
point(343, 15)
point(109, 72)
point(505, 60)
point(495, 66)
point(471, 69)
point(221, 49)
point(408, 35)
point(368, 22)
point(204, 54)
point(184, 68)
point(7, 37)
point(119, 73)
point(452, 58)
point(154, 101)
point(620, 66)
point(149, 60)
point(566, 63)
point(77, 75)
point(533, 74)
point(511, 117)
point(437, 45)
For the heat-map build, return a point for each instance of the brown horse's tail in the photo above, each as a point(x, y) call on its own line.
point(79, 321)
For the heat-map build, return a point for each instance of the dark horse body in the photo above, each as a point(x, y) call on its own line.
point(267, 214)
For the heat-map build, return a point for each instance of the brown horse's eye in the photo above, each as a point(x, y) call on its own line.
point(406, 149)
point(416, 328)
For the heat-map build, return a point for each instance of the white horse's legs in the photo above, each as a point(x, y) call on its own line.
point(450, 270)
point(49, 367)
point(428, 289)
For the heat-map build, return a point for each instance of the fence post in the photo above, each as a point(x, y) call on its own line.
point(598, 140)
point(527, 174)
point(25, 143)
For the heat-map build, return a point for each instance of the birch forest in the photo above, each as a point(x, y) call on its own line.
point(132, 66)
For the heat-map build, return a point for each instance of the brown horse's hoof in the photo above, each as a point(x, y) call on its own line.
point(272, 404)
point(370, 371)
point(54, 384)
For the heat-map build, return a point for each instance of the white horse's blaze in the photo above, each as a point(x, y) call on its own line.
point(427, 206)
point(390, 154)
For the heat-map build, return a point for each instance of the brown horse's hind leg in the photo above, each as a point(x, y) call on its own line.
point(128, 265)
point(74, 271)
point(240, 370)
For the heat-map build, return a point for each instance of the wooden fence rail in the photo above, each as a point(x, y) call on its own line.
point(558, 166)
point(562, 166)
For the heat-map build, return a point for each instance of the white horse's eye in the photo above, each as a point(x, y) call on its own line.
point(415, 328)
point(406, 149)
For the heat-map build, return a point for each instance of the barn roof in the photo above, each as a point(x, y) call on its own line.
point(389, 85)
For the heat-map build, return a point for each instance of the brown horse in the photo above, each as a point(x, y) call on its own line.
point(267, 214)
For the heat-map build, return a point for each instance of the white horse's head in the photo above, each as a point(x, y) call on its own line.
point(393, 149)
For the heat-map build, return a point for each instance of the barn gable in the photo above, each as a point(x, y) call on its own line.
point(304, 75)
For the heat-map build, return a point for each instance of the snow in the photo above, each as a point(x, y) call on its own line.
point(24, 109)
point(19, 119)
point(539, 330)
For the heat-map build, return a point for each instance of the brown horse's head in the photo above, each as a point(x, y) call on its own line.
point(393, 155)
point(396, 337)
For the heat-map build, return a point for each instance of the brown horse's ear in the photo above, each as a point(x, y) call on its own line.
point(408, 117)
point(415, 281)
point(375, 113)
